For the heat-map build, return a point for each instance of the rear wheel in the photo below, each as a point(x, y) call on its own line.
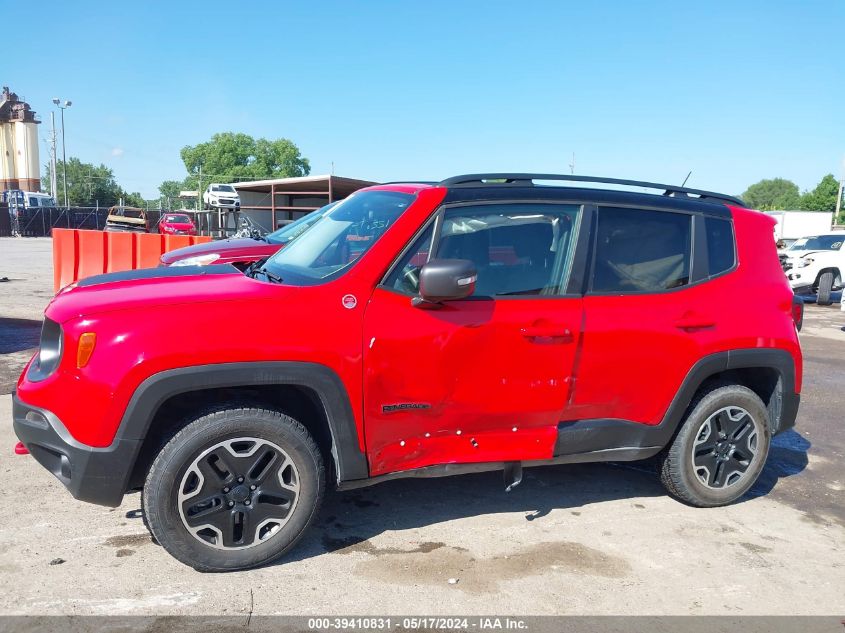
point(825, 286)
point(234, 489)
point(720, 449)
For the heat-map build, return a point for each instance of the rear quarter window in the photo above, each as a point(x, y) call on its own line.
point(721, 250)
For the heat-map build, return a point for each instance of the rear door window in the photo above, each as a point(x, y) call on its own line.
point(641, 251)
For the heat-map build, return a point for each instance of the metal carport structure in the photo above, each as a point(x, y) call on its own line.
point(270, 203)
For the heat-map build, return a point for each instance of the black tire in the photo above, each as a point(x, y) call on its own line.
point(232, 433)
point(147, 523)
point(683, 463)
point(825, 286)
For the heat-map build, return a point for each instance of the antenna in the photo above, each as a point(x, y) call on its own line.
point(683, 184)
point(572, 164)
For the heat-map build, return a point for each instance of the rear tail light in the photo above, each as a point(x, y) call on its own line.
point(798, 312)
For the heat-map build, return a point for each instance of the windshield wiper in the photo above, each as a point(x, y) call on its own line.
point(270, 276)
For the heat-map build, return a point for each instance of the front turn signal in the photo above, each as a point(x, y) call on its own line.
point(86, 348)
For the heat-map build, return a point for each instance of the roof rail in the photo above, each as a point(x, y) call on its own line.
point(527, 180)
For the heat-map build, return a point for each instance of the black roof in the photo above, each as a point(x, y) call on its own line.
point(508, 181)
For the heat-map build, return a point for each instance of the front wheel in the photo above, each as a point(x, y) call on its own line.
point(825, 286)
point(234, 489)
point(720, 449)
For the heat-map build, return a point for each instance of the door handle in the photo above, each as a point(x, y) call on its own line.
point(547, 334)
point(691, 321)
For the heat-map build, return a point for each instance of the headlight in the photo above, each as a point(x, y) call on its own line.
point(198, 260)
point(49, 351)
point(805, 262)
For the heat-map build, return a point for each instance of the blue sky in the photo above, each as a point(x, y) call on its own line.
point(735, 91)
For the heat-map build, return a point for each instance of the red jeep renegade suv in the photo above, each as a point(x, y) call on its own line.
point(485, 322)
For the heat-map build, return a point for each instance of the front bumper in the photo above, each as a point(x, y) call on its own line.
point(217, 204)
point(96, 475)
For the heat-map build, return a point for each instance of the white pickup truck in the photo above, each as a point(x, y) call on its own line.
point(816, 265)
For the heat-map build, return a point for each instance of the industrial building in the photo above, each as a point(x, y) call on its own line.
point(19, 162)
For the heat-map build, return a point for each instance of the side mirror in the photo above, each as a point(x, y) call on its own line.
point(446, 280)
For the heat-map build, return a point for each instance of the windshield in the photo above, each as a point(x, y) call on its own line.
point(178, 219)
point(227, 188)
point(290, 232)
point(338, 239)
point(818, 243)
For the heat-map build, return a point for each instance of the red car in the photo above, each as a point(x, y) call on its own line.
point(177, 224)
point(242, 251)
point(482, 323)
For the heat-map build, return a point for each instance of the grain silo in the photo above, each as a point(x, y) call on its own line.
point(19, 163)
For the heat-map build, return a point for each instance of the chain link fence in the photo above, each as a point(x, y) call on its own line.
point(39, 222)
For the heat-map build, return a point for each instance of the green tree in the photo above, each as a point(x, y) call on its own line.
point(774, 194)
point(823, 197)
point(135, 199)
point(230, 157)
point(87, 184)
point(169, 191)
point(171, 188)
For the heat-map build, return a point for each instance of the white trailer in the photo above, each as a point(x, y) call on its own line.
point(792, 225)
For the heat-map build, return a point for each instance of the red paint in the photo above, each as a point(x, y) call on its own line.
point(494, 378)
point(231, 251)
point(479, 373)
point(165, 226)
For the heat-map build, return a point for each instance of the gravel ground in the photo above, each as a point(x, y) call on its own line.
point(580, 539)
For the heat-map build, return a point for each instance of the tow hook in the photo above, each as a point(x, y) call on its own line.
point(20, 449)
point(513, 475)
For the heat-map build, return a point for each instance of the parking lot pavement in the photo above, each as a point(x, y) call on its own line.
point(578, 539)
point(26, 286)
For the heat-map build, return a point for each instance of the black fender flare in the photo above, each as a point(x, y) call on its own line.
point(837, 273)
point(624, 440)
point(152, 393)
point(769, 358)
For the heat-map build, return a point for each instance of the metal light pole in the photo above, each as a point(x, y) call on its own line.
point(66, 105)
point(53, 176)
point(839, 196)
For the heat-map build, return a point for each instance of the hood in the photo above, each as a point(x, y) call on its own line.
point(802, 253)
point(182, 226)
point(224, 194)
point(137, 290)
point(229, 250)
